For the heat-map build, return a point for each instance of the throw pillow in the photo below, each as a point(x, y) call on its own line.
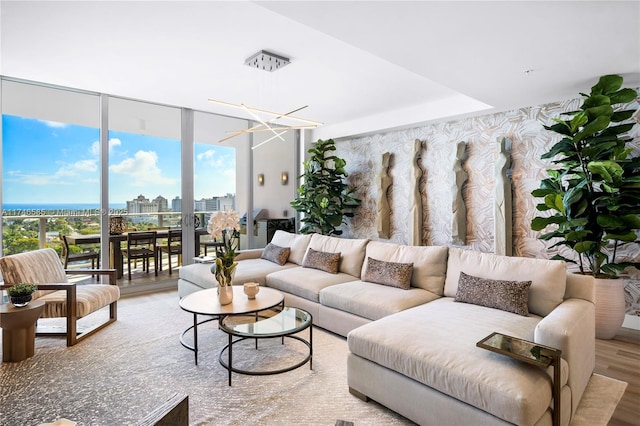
point(510, 296)
point(388, 273)
point(321, 260)
point(276, 254)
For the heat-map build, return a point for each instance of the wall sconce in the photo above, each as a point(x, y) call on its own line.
point(261, 179)
point(284, 178)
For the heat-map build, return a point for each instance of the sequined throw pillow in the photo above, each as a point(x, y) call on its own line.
point(510, 296)
point(321, 260)
point(276, 254)
point(388, 273)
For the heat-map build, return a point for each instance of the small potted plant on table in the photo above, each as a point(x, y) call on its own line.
point(21, 294)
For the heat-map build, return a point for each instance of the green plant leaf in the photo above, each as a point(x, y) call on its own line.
point(607, 84)
point(539, 223)
point(579, 120)
point(621, 115)
point(607, 170)
point(596, 101)
point(584, 246)
point(623, 96)
point(609, 221)
point(598, 124)
point(627, 237)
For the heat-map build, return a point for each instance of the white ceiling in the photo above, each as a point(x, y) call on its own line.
point(360, 66)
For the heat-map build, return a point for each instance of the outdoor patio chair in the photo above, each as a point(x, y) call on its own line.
point(84, 256)
point(141, 245)
point(173, 246)
point(62, 298)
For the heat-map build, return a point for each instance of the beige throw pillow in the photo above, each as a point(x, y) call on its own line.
point(321, 260)
point(388, 273)
point(276, 254)
point(510, 296)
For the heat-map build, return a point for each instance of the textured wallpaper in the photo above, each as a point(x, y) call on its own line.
point(481, 134)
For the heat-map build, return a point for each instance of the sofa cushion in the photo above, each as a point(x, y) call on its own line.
point(305, 282)
point(324, 261)
point(298, 244)
point(435, 344)
point(510, 296)
point(372, 301)
point(276, 254)
point(393, 274)
point(429, 262)
point(352, 251)
point(548, 277)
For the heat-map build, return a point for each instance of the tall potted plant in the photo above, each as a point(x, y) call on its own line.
point(593, 192)
point(324, 197)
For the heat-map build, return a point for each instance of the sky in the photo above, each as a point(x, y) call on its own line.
point(45, 162)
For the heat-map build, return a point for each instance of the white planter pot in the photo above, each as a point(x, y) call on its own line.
point(610, 307)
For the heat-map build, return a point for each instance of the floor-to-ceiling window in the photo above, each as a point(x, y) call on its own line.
point(50, 167)
point(145, 175)
point(215, 169)
point(62, 174)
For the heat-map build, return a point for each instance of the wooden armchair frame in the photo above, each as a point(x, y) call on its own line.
point(73, 335)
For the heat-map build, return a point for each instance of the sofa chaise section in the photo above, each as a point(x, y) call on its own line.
point(423, 362)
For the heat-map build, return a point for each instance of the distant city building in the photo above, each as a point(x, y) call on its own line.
point(141, 204)
point(162, 203)
point(228, 202)
point(176, 204)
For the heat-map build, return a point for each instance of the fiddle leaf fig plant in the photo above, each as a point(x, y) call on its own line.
point(324, 197)
point(593, 192)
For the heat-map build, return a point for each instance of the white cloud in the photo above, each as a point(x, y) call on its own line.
point(67, 174)
point(76, 169)
point(95, 147)
point(53, 124)
point(211, 158)
point(143, 168)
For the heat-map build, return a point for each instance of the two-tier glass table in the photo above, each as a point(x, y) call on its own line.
point(286, 323)
point(205, 302)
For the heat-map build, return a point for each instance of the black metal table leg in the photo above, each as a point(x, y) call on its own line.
point(230, 357)
point(195, 337)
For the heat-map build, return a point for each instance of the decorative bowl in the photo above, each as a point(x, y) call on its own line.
point(251, 289)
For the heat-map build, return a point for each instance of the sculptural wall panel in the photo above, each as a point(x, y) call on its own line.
point(529, 142)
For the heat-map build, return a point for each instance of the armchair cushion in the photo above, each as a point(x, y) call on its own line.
point(34, 267)
point(89, 298)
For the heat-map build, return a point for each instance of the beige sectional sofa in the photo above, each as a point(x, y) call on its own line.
point(414, 350)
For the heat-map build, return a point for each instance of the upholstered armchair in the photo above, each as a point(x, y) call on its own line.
point(62, 298)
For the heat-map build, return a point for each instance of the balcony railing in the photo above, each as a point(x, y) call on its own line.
point(157, 219)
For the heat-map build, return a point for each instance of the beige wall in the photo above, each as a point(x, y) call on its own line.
point(271, 159)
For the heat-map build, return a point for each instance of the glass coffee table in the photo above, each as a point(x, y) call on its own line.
point(283, 324)
point(205, 302)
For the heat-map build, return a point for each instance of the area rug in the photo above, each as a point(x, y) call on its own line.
point(599, 401)
point(126, 370)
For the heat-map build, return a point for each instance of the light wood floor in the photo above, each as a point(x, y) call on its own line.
point(619, 358)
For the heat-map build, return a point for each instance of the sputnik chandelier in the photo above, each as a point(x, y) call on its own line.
point(269, 122)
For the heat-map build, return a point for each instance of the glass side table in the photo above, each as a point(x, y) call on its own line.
point(530, 353)
point(284, 324)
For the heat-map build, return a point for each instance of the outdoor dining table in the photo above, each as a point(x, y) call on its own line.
point(115, 250)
